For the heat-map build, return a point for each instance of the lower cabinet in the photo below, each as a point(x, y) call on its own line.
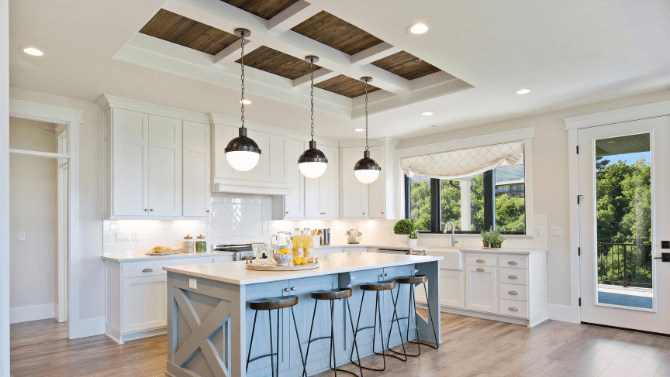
point(481, 289)
point(152, 313)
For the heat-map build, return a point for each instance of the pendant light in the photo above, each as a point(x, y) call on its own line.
point(312, 162)
point(366, 169)
point(242, 152)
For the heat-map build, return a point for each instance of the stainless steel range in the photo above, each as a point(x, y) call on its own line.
point(240, 252)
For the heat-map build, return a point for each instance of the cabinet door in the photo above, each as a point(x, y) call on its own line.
point(329, 185)
point(130, 163)
point(144, 303)
point(294, 204)
point(165, 166)
point(481, 291)
point(196, 170)
point(452, 289)
point(313, 198)
point(377, 190)
point(354, 193)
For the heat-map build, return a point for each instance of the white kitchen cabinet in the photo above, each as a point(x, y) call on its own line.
point(381, 190)
point(151, 293)
point(481, 291)
point(196, 169)
point(322, 194)
point(354, 193)
point(165, 166)
point(291, 206)
point(452, 289)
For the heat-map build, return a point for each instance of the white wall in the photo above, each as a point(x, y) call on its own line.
point(91, 269)
point(4, 188)
point(33, 276)
point(550, 175)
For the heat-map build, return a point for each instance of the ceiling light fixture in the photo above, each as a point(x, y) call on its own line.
point(418, 28)
point(366, 169)
point(359, 129)
point(427, 113)
point(245, 102)
point(242, 152)
point(33, 51)
point(312, 162)
point(523, 91)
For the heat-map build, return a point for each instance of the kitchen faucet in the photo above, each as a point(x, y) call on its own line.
point(453, 231)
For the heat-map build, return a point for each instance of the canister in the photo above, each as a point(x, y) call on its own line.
point(200, 244)
point(189, 244)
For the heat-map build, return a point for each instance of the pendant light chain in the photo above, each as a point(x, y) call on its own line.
point(242, 77)
point(366, 115)
point(311, 67)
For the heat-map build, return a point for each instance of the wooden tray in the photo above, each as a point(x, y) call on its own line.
point(276, 267)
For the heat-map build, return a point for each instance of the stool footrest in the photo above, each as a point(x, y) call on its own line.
point(262, 356)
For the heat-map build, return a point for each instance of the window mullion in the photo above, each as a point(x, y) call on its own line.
point(489, 200)
point(435, 206)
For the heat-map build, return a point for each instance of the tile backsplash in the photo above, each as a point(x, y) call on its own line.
point(248, 218)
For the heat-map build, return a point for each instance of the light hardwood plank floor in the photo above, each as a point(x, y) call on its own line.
point(471, 347)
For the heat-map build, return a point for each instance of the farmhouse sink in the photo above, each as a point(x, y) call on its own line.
point(453, 258)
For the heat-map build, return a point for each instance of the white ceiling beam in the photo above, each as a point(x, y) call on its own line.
point(373, 53)
point(292, 16)
point(319, 76)
point(231, 53)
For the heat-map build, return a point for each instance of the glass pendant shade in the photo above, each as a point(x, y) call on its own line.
point(312, 162)
point(366, 169)
point(242, 152)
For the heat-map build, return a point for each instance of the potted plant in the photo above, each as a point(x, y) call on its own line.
point(493, 239)
point(413, 239)
point(403, 228)
point(485, 238)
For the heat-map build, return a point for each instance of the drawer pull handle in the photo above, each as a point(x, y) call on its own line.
point(480, 261)
point(513, 309)
point(512, 277)
point(480, 269)
point(513, 293)
point(513, 262)
point(148, 270)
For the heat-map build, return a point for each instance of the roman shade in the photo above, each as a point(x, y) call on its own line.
point(464, 163)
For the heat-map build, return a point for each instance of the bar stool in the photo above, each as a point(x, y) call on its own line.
point(332, 295)
point(270, 304)
point(376, 287)
point(412, 281)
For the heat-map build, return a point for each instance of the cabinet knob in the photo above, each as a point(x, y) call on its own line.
point(145, 210)
point(512, 277)
point(364, 213)
point(480, 269)
point(287, 289)
point(151, 210)
point(513, 293)
point(147, 270)
point(382, 213)
point(207, 211)
point(293, 288)
point(513, 309)
point(287, 212)
point(480, 261)
point(512, 262)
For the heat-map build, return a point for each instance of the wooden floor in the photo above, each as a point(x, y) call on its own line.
point(471, 347)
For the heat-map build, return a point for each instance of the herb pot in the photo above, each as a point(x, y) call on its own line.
point(496, 245)
point(403, 238)
point(413, 243)
point(486, 243)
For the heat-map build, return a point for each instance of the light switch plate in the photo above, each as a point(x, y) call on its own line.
point(193, 283)
point(556, 231)
point(22, 236)
point(538, 231)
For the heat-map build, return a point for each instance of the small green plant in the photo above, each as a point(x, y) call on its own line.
point(403, 226)
point(414, 235)
point(492, 238)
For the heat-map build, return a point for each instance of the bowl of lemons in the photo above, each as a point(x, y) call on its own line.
point(283, 257)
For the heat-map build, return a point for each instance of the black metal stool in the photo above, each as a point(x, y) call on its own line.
point(412, 281)
point(270, 304)
point(377, 288)
point(332, 295)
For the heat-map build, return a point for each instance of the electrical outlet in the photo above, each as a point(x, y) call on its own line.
point(556, 231)
point(538, 231)
point(192, 283)
point(22, 236)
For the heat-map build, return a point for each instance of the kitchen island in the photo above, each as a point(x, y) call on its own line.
point(210, 323)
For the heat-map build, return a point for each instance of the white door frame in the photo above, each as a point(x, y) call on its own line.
point(4, 189)
point(62, 229)
point(72, 119)
point(572, 125)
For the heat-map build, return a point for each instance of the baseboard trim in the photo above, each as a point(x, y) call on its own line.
point(559, 312)
point(91, 326)
point(32, 313)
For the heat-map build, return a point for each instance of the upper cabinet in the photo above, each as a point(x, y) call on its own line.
point(322, 194)
point(292, 206)
point(156, 165)
point(354, 193)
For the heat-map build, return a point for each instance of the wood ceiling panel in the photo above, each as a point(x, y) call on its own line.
point(277, 62)
point(406, 65)
point(336, 33)
point(345, 86)
point(184, 31)
point(262, 8)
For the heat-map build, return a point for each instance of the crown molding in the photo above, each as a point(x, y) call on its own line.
point(617, 116)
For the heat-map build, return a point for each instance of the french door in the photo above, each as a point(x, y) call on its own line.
point(624, 214)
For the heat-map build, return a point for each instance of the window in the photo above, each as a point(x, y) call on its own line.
point(493, 199)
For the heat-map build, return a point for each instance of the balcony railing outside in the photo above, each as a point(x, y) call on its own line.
point(624, 264)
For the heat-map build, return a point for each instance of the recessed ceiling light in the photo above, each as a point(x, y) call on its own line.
point(246, 102)
point(523, 91)
point(418, 28)
point(427, 113)
point(33, 51)
point(359, 129)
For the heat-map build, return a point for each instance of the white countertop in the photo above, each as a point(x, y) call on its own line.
point(136, 257)
point(504, 250)
point(237, 273)
point(362, 245)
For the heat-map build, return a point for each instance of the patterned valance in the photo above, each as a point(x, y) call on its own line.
point(464, 163)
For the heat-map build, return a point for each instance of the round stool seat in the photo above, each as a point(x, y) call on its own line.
point(379, 286)
point(332, 294)
point(273, 303)
point(416, 279)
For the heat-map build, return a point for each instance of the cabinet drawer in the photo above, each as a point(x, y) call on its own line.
point(514, 292)
point(513, 276)
point(514, 261)
point(132, 270)
point(488, 260)
point(514, 308)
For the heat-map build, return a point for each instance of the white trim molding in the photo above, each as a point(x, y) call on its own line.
point(561, 313)
point(627, 114)
point(4, 189)
point(32, 313)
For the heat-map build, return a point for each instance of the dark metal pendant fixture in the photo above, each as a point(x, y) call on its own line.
point(242, 152)
point(366, 169)
point(312, 162)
